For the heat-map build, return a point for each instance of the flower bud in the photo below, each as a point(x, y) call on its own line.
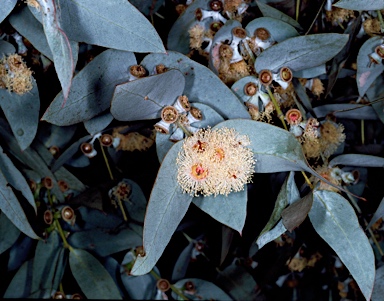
point(136, 72)
point(293, 116)
point(215, 26)
point(159, 69)
point(190, 287)
point(169, 114)
point(216, 5)
point(106, 140)
point(239, 32)
point(163, 285)
point(265, 77)
point(380, 51)
point(68, 214)
point(76, 296)
point(250, 89)
point(263, 38)
point(88, 150)
point(48, 217)
point(55, 151)
point(63, 185)
point(182, 104)
point(195, 115)
point(47, 182)
point(59, 295)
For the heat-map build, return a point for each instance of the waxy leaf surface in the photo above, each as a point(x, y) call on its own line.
point(6, 7)
point(360, 4)
point(357, 160)
point(269, 11)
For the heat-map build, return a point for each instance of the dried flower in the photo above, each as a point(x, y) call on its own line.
point(293, 116)
point(332, 135)
point(371, 26)
point(338, 15)
point(214, 162)
point(15, 75)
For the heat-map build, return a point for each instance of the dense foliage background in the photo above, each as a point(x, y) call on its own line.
point(91, 206)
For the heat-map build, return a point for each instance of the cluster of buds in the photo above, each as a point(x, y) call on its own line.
point(335, 176)
point(283, 77)
point(181, 115)
point(378, 55)
point(105, 139)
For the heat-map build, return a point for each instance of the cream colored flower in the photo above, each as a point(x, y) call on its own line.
point(214, 162)
point(15, 75)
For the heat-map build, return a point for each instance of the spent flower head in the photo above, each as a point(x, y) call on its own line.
point(213, 162)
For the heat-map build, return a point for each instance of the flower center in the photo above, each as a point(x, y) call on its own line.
point(200, 146)
point(199, 172)
point(219, 154)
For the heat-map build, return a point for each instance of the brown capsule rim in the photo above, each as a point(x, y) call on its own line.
point(86, 148)
point(286, 74)
point(216, 5)
point(106, 140)
point(239, 32)
point(250, 86)
point(265, 77)
point(169, 114)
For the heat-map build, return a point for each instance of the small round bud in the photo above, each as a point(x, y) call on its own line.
point(86, 148)
point(68, 214)
point(106, 140)
point(32, 185)
point(169, 114)
point(250, 89)
point(59, 295)
point(189, 286)
point(239, 32)
point(160, 69)
point(262, 33)
point(48, 217)
point(265, 77)
point(137, 71)
point(196, 113)
point(163, 285)
point(380, 51)
point(199, 14)
point(286, 74)
point(47, 182)
point(76, 296)
point(293, 116)
point(63, 185)
point(54, 150)
point(183, 104)
point(225, 51)
point(215, 26)
point(216, 5)
point(140, 251)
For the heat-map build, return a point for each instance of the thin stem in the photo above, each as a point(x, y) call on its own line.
point(277, 107)
point(122, 209)
point(106, 161)
point(362, 132)
point(252, 58)
point(186, 132)
point(175, 289)
point(317, 15)
point(297, 10)
point(379, 15)
point(62, 235)
point(307, 180)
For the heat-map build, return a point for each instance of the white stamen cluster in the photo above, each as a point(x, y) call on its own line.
point(213, 162)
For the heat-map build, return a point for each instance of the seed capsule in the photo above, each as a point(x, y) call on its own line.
point(137, 71)
point(86, 148)
point(196, 113)
point(106, 140)
point(265, 77)
point(48, 217)
point(250, 89)
point(286, 74)
point(63, 185)
point(216, 5)
point(68, 214)
point(262, 33)
point(163, 285)
point(169, 114)
point(47, 182)
point(239, 32)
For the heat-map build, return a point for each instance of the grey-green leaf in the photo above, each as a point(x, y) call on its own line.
point(6, 48)
point(357, 160)
point(93, 279)
point(347, 110)
point(301, 52)
point(201, 84)
point(269, 11)
point(296, 213)
point(275, 149)
point(145, 97)
point(229, 210)
point(166, 208)
point(15, 178)
point(20, 285)
point(10, 206)
point(92, 88)
point(336, 222)
point(367, 71)
point(30, 28)
point(360, 4)
point(8, 233)
point(6, 7)
point(113, 24)
point(272, 234)
point(22, 113)
point(98, 123)
point(58, 42)
point(205, 290)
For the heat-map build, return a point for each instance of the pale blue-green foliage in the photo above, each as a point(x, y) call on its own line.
point(6, 8)
point(360, 5)
point(335, 221)
point(204, 290)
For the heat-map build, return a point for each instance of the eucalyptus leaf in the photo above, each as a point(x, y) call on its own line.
point(274, 148)
point(303, 96)
point(6, 7)
point(296, 213)
point(137, 203)
point(302, 52)
point(357, 160)
point(269, 11)
point(47, 254)
point(379, 213)
point(181, 266)
point(20, 285)
point(166, 208)
point(6, 48)
point(8, 233)
point(360, 5)
point(20, 252)
point(205, 290)
point(201, 84)
point(347, 110)
point(230, 210)
point(98, 123)
point(92, 88)
point(63, 51)
point(113, 24)
point(10, 206)
point(310, 72)
point(278, 29)
point(22, 113)
point(103, 242)
point(93, 279)
point(375, 95)
point(30, 28)
point(336, 222)
point(15, 178)
point(270, 235)
point(367, 71)
point(152, 93)
point(378, 288)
